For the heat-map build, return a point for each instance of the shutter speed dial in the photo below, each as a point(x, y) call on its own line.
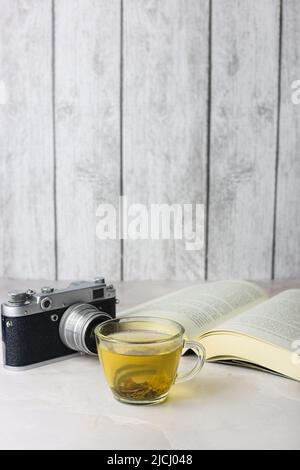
point(20, 296)
point(17, 296)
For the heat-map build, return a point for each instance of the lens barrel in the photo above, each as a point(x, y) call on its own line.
point(76, 328)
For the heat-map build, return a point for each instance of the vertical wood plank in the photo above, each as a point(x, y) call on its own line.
point(165, 117)
point(26, 140)
point(287, 246)
point(87, 69)
point(245, 44)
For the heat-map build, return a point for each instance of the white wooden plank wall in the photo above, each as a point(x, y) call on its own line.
point(163, 101)
point(287, 246)
point(26, 140)
point(87, 86)
point(245, 58)
point(164, 124)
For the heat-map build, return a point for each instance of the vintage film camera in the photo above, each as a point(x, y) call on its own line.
point(39, 327)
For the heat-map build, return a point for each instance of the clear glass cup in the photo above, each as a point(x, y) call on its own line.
point(140, 357)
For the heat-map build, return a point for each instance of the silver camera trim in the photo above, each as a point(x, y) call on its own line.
point(77, 292)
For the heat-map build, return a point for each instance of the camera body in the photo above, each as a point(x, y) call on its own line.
point(39, 327)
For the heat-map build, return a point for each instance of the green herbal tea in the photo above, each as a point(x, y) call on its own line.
point(142, 372)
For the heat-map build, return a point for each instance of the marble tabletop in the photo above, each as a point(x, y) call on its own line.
point(67, 405)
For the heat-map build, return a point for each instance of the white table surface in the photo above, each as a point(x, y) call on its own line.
point(67, 405)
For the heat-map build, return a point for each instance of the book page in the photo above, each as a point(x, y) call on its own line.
point(201, 307)
point(276, 321)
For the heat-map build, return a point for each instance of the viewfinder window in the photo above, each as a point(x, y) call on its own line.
point(98, 293)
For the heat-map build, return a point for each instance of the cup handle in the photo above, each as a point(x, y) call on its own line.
point(201, 356)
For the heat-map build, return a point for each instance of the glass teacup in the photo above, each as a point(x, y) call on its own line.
point(140, 357)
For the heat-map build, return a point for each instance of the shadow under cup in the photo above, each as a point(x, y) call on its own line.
point(140, 357)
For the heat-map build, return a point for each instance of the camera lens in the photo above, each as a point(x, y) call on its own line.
point(76, 328)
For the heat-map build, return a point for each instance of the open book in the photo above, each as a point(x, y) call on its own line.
point(236, 322)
